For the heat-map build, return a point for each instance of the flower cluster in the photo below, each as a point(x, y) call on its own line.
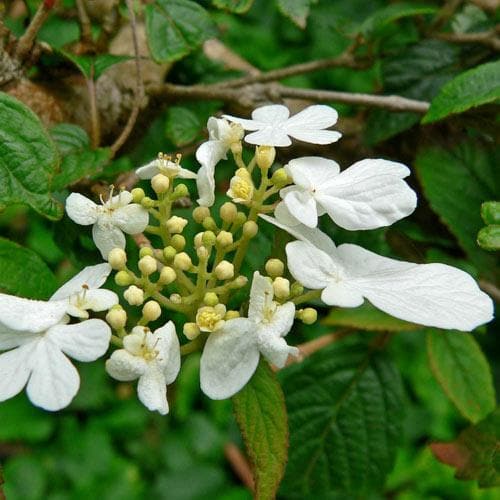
point(203, 278)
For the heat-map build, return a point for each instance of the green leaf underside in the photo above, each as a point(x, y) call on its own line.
point(182, 125)
point(468, 90)
point(175, 28)
point(28, 159)
point(474, 453)
point(236, 6)
point(474, 179)
point(457, 362)
point(261, 415)
point(94, 66)
point(24, 273)
point(367, 317)
point(296, 10)
point(345, 410)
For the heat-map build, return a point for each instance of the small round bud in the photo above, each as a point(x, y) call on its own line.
point(210, 299)
point(145, 251)
point(151, 310)
point(122, 278)
point(240, 219)
point(250, 229)
point(209, 238)
point(228, 212)
point(147, 265)
point(191, 330)
point(180, 191)
point(210, 318)
point(176, 224)
point(241, 187)
point(147, 202)
point(309, 316)
point(160, 183)
point(182, 261)
point(117, 259)
point(224, 270)
point(202, 253)
point(198, 240)
point(200, 213)
point(296, 289)
point(175, 298)
point(167, 276)
point(280, 178)
point(178, 242)
point(116, 317)
point(275, 267)
point(239, 282)
point(169, 253)
point(209, 224)
point(134, 295)
point(265, 156)
point(231, 315)
point(225, 238)
point(281, 288)
point(137, 195)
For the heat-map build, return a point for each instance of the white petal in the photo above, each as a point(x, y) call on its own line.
point(246, 124)
point(106, 238)
point(229, 359)
point(15, 369)
point(342, 295)
point(211, 153)
point(184, 173)
point(170, 351)
point(80, 209)
point(429, 294)
point(124, 366)
point(282, 320)
point(99, 300)
point(54, 381)
point(132, 219)
point(148, 171)
point(275, 349)
point(84, 341)
point(314, 117)
point(122, 199)
point(205, 183)
point(314, 136)
point(10, 338)
point(312, 171)
point(29, 315)
point(302, 206)
point(368, 195)
point(152, 390)
point(309, 265)
point(261, 295)
point(269, 136)
point(91, 276)
point(271, 114)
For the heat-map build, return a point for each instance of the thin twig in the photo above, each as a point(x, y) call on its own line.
point(488, 38)
point(85, 24)
point(139, 86)
point(27, 40)
point(95, 125)
point(240, 465)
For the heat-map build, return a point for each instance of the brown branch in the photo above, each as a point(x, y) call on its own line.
point(489, 38)
point(95, 126)
point(139, 87)
point(240, 465)
point(85, 24)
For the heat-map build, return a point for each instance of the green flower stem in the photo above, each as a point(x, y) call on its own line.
point(165, 209)
point(152, 229)
point(307, 297)
point(270, 192)
point(184, 281)
point(194, 345)
point(168, 304)
point(116, 341)
point(252, 163)
point(202, 278)
point(238, 159)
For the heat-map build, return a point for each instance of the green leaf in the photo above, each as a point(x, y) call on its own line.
point(475, 452)
point(103, 62)
point(182, 125)
point(175, 28)
point(24, 273)
point(345, 412)
point(296, 10)
point(490, 212)
point(468, 90)
point(28, 159)
point(94, 66)
point(367, 317)
point(69, 138)
point(463, 372)
point(489, 237)
point(261, 415)
point(235, 6)
point(456, 182)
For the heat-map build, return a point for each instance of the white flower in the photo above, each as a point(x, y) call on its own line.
point(221, 134)
point(109, 219)
point(367, 195)
point(273, 127)
point(38, 343)
point(429, 294)
point(153, 358)
point(82, 293)
point(164, 165)
point(231, 353)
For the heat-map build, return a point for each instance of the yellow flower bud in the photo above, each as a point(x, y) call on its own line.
point(169, 253)
point(175, 298)
point(145, 251)
point(167, 276)
point(200, 213)
point(151, 310)
point(210, 299)
point(209, 224)
point(224, 239)
point(122, 278)
point(116, 317)
point(117, 259)
point(180, 191)
point(239, 282)
point(134, 295)
point(228, 212)
point(160, 183)
point(209, 238)
point(198, 240)
point(232, 315)
point(178, 242)
point(236, 148)
point(176, 224)
point(224, 270)
point(250, 229)
point(210, 318)
point(309, 315)
point(280, 178)
point(281, 288)
point(147, 202)
point(202, 253)
point(191, 330)
point(183, 261)
point(296, 289)
point(241, 187)
point(274, 268)
point(147, 265)
point(137, 195)
point(240, 219)
point(265, 156)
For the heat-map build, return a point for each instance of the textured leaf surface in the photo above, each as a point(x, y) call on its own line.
point(474, 453)
point(345, 410)
point(261, 415)
point(463, 372)
point(236, 6)
point(28, 159)
point(456, 182)
point(490, 212)
point(23, 272)
point(175, 28)
point(94, 66)
point(296, 10)
point(489, 238)
point(470, 89)
point(367, 317)
point(182, 125)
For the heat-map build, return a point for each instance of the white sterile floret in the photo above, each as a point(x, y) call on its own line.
point(37, 342)
point(164, 165)
point(367, 195)
point(272, 126)
point(221, 135)
point(82, 293)
point(429, 294)
point(110, 219)
point(153, 358)
point(231, 353)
